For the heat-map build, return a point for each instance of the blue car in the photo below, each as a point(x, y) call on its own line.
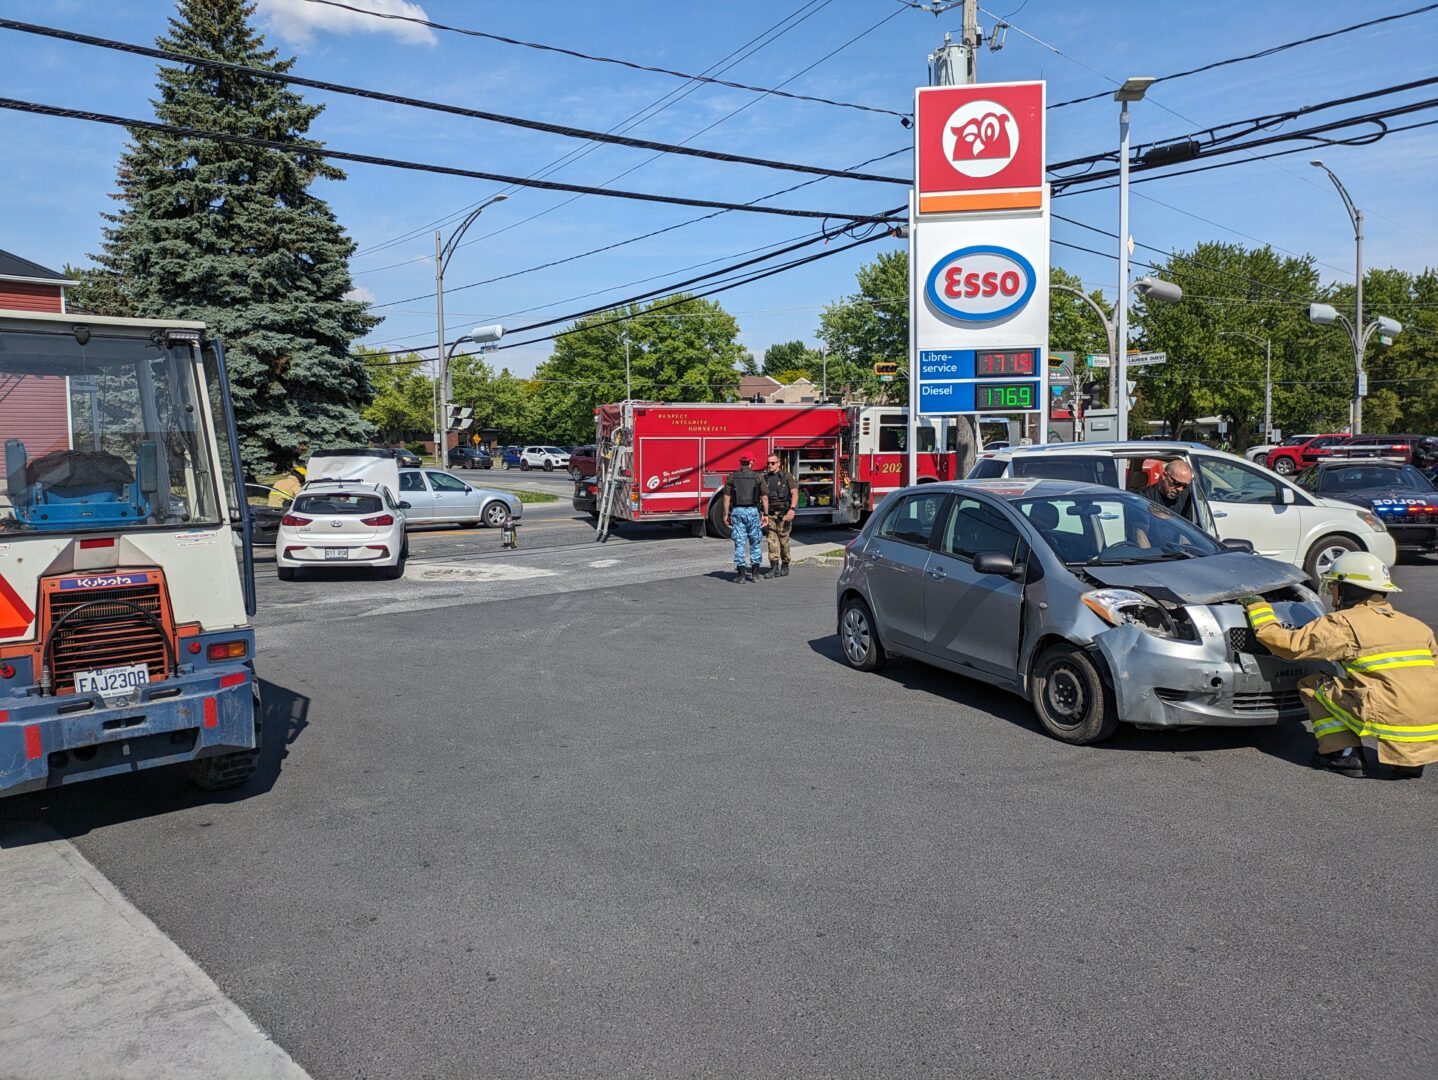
point(511, 457)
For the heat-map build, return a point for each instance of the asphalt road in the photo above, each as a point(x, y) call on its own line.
point(643, 821)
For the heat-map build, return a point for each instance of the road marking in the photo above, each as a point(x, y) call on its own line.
point(93, 988)
point(470, 572)
point(600, 564)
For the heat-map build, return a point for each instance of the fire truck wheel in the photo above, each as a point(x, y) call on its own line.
point(228, 770)
point(715, 520)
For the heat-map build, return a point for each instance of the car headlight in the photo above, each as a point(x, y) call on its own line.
point(1373, 521)
point(1124, 606)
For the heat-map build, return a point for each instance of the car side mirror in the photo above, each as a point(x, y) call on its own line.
point(403, 505)
point(16, 485)
point(147, 469)
point(1236, 544)
point(1286, 496)
point(994, 562)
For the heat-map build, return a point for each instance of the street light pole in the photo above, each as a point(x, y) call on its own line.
point(1132, 89)
point(1355, 331)
point(443, 252)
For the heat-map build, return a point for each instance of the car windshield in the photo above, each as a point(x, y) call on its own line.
point(1104, 529)
point(1365, 477)
point(337, 502)
point(553, 450)
point(103, 433)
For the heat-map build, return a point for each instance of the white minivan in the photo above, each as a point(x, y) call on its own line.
point(1232, 499)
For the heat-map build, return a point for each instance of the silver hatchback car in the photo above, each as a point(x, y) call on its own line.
point(1093, 604)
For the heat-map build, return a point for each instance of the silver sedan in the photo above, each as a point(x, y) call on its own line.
point(436, 496)
point(1093, 604)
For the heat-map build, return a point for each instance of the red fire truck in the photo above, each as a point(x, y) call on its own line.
point(661, 463)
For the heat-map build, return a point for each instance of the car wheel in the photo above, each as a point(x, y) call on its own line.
point(495, 515)
point(1284, 466)
point(524, 466)
point(575, 474)
point(1070, 698)
point(858, 638)
point(287, 573)
point(396, 571)
point(549, 466)
point(1324, 551)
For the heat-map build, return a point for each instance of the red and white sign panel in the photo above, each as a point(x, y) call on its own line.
point(980, 147)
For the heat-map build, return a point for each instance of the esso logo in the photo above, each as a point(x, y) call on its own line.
point(980, 138)
point(981, 284)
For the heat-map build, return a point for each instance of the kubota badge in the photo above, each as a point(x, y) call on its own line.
point(980, 147)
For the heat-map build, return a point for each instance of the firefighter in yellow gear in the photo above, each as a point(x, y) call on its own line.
point(1389, 685)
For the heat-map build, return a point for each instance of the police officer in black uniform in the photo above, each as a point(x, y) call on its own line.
point(783, 492)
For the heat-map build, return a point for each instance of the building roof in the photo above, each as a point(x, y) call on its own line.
point(752, 385)
point(12, 267)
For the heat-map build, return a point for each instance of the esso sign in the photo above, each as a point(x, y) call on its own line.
point(980, 284)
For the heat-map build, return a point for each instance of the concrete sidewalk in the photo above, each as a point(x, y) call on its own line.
point(89, 987)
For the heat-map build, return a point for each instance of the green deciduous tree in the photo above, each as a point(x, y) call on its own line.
point(793, 359)
point(403, 402)
point(1403, 376)
point(870, 326)
point(233, 235)
point(1212, 371)
point(680, 349)
point(499, 401)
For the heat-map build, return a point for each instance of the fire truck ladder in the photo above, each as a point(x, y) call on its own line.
point(617, 458)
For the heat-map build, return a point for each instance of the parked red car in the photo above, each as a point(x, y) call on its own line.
point(582, 463)
point(1288, 459)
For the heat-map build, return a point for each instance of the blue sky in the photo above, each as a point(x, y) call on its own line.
point(56, 175)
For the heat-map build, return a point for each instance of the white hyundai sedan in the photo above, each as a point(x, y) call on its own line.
point(342, 523)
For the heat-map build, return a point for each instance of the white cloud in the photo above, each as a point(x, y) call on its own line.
point(297, 20)
point(360, 293)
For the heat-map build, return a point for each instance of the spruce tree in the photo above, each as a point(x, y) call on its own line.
point(232, 235)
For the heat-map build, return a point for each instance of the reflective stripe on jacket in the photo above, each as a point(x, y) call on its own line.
point(1389, 688)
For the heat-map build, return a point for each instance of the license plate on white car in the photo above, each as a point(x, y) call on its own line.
point(112, 681)
point(337, 553)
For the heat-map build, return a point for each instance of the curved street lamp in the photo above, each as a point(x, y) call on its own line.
point(443, 252)
point(1150, 288)
point(1358, 334)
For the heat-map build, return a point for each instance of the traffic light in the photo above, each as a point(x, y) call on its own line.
point(1093, 393)
point(460, 418)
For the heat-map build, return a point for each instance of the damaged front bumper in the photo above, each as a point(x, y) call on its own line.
point(1222, 679)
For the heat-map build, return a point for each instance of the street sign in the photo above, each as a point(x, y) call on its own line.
point(1144, 359)
point(979, 147)
point(886, 367)
point(1363, 384)
point(1099, 360)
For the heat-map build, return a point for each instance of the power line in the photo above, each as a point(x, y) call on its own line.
point(1262, 53)
point(434, 106)
point(793, 265)
point(665, 101)
point(623, 243)
point(396, 163)
point(604, 59)
point(829, 55)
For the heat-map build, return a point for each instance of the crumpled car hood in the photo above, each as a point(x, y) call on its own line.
point(1208, 580)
